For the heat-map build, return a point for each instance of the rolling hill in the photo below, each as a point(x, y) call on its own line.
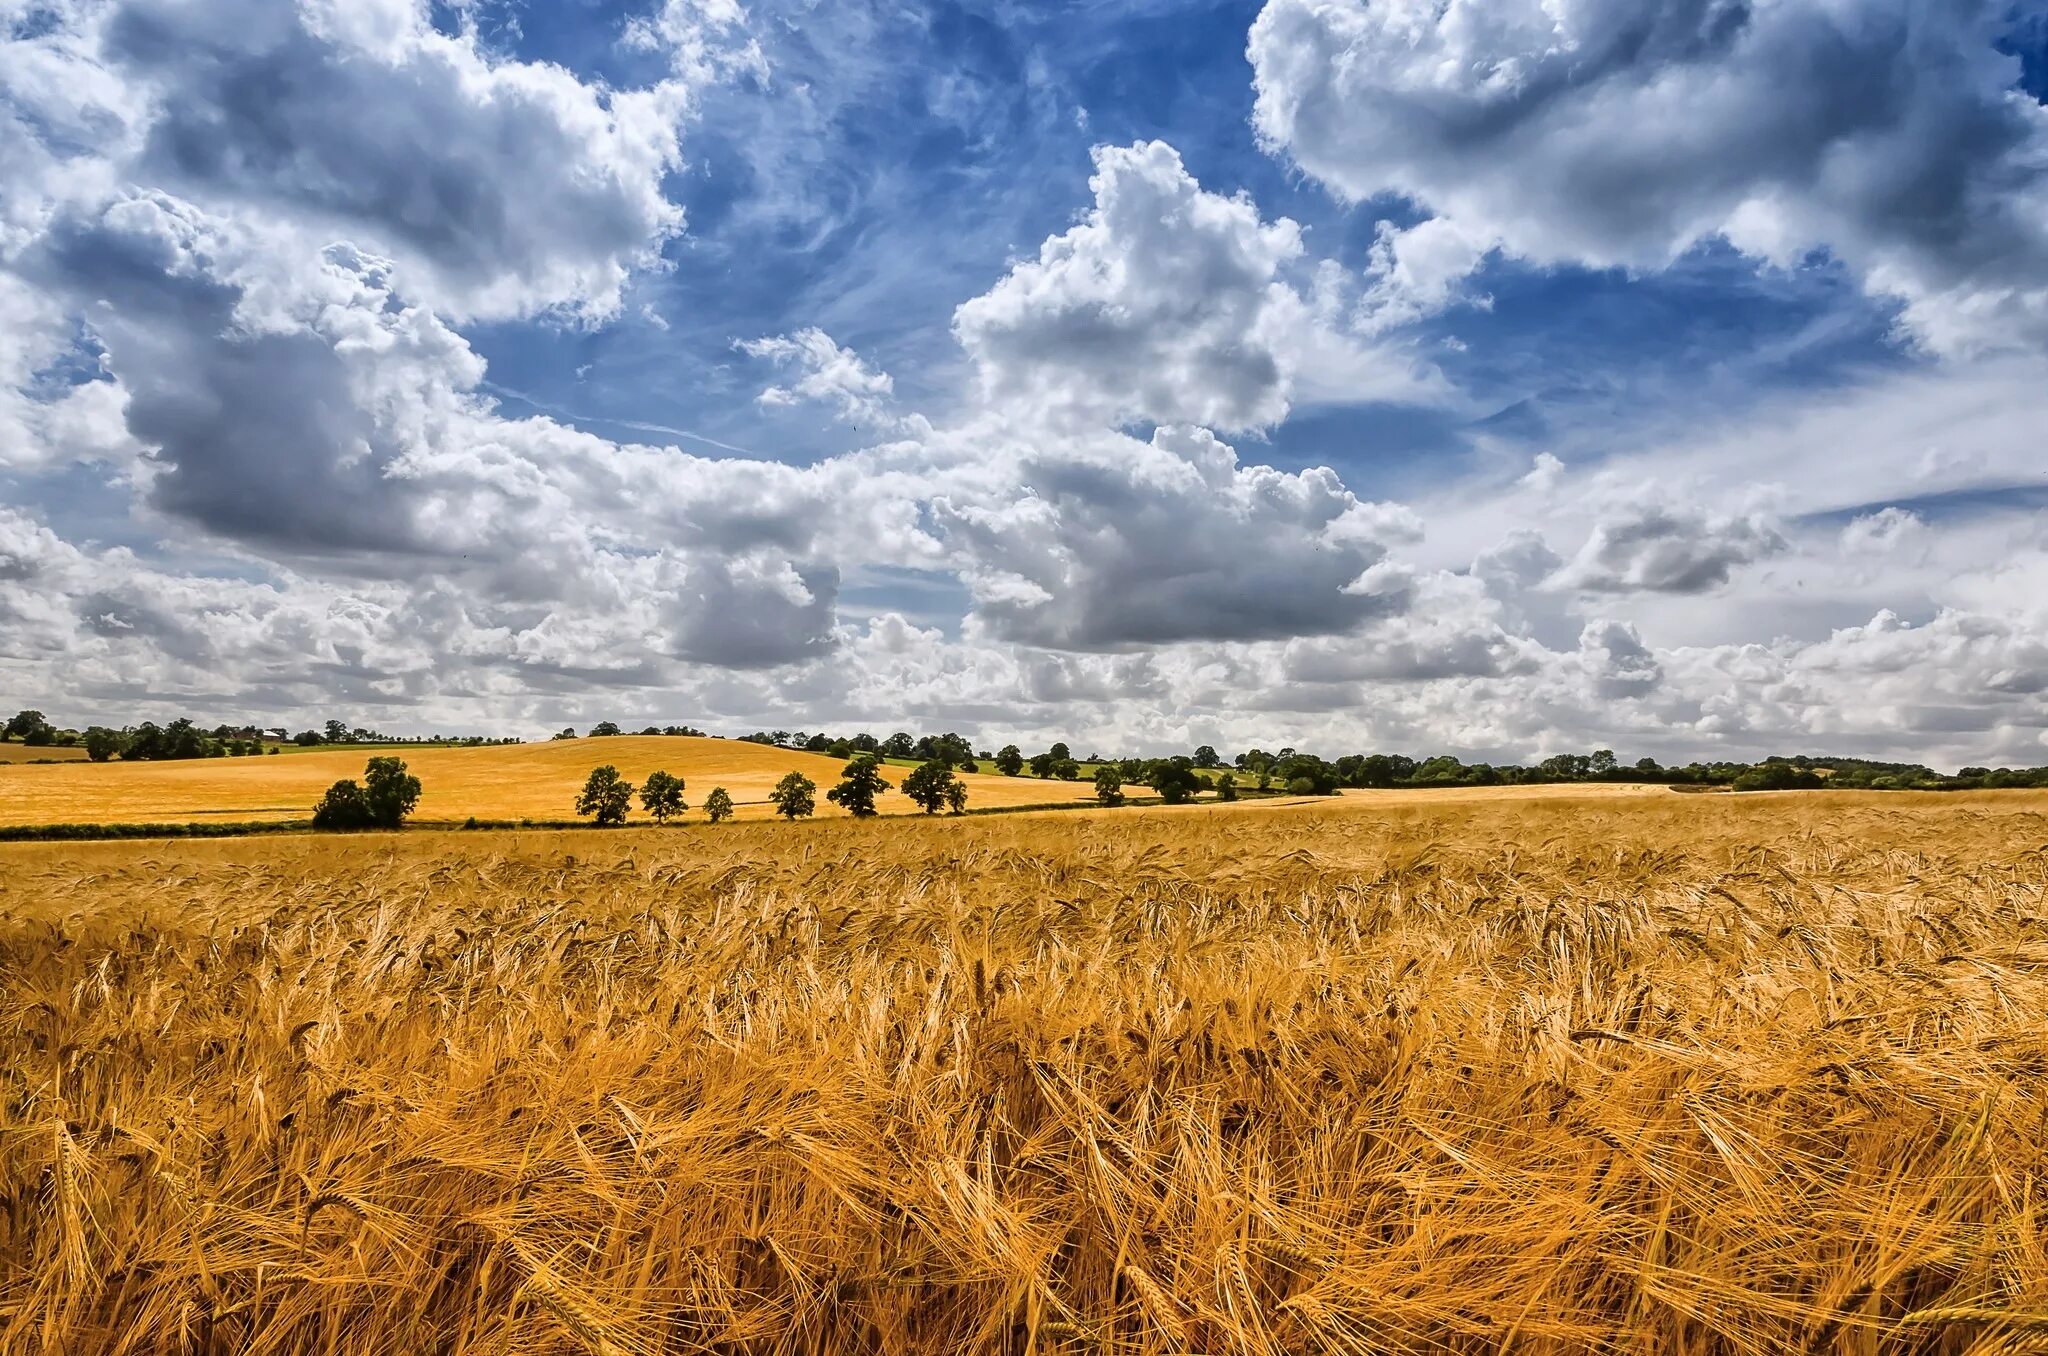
point(518, 781)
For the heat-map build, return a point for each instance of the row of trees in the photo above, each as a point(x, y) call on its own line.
point(186, 738)
point(607, 798)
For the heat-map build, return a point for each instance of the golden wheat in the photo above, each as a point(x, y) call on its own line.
point(1677, 1074)
point(505, 782)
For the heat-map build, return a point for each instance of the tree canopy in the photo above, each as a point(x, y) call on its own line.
point(861, 781)
point(662, 795)
point(606, 797)
point(795, 796)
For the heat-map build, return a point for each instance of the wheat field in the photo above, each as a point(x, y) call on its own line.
point(1685, 1074)
point(504, 782)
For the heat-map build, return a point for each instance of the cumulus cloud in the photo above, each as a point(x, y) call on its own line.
point(826, 372)
point(1117, 543)
point(1888, 132)
point(1648, 547)
point(1882, 533)
point(1169, 304)
point(499, 187)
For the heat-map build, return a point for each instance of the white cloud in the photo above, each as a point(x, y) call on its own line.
point(1168, 304)
point(1882, 533)
point(829, 373)
point(1591, 131)
point(1112, 543)
point(1653, 547)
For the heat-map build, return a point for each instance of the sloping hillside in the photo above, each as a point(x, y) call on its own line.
point(519, 781)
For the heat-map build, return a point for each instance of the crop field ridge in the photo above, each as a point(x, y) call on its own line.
point(1694, 1075)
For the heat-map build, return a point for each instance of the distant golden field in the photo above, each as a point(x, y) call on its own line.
point(14, 752)
point(518, 781)
point(1679, 1074)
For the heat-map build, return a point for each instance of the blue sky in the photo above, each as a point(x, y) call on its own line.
point(1494, 378)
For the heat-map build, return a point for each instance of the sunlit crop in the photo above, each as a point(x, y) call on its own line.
point(1658, 1074)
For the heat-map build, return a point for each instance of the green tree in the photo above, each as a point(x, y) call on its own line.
point(102, 743)
point(956, 797)
point(22, 723)
point(604, 729)
point(1067, 770)
point(1109, 784)
point(336, 732)
point(663, 796)
point(1060, 752)
point(795, 796)
point(607, 797)
point(390, 791)
point(1205, 757)
point(343, 807)
point(930, 784)
point(1009, 760)
point(718, 805)
point(862, 782)
point(1226, 787)
point(1175, 781)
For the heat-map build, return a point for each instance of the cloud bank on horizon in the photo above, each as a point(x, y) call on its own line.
point(1359, 374)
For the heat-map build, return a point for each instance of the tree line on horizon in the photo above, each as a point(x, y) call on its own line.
point(1287, 769)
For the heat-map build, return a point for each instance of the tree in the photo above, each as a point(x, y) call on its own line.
point(22, 723)
point(607, 797)
point(1109, 784)
point(102, 743)
point(1175, 781)
point(718, 805)
point(306, 739)
point(343, 807)
point(390, 791)
point(1226, 787)
point(795, 796)
point(567, 732)
point(1205, 757)
point(1010, 760)
point(336, 732)
point(930, 785)
point(663, 796)
point(862, 782)
point(899, 745)
point(1042, 764)
point(604, 729)
point(956, 797)
point(1067, 770)
point(1060, 753)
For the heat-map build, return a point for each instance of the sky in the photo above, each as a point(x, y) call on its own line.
point(1499, 377)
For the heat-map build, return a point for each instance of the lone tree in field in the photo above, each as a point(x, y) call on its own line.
point(390, 790)
point(718, 805)
point(1226, 787)
point(1109, 784)
point(1009, 760)
point(931, 786)
point(862, 783)
point(956, 797)
point(607, 797)
point(102, 743)
point(343, 807)
point(663, 796)
point(385, 798)
point(1175, 783)
point(795, 796)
